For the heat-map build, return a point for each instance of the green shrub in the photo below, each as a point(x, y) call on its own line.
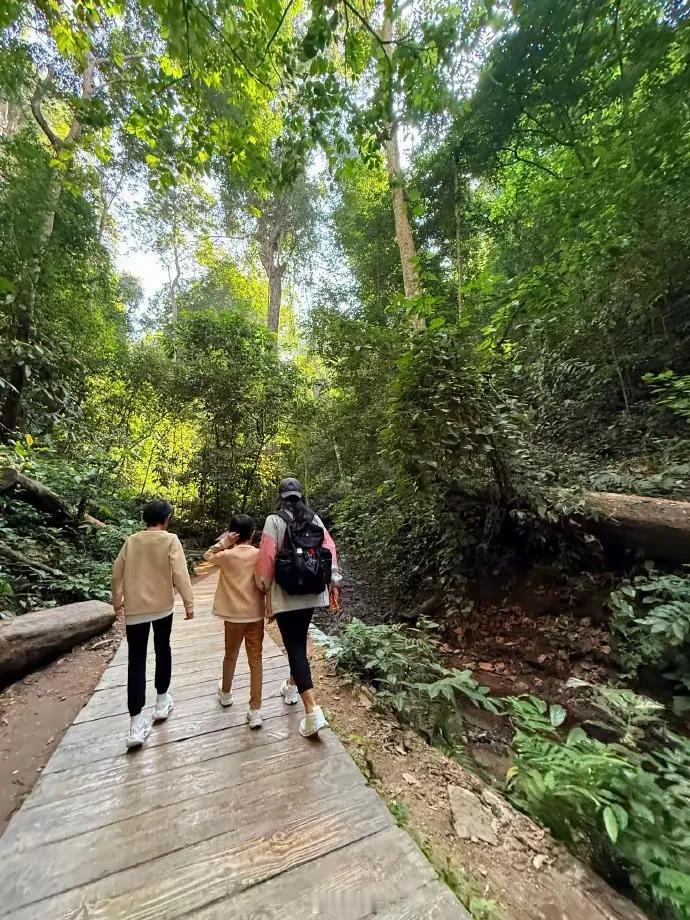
point(609, 801)
point(651, 625)
point(404, 669)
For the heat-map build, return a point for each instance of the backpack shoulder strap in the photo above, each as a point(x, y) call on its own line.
point(289, 521)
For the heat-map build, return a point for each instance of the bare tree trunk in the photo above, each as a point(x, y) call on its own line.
point(269, 253)
point(275, 295)
point(403, 227)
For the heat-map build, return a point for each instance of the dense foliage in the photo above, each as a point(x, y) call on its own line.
point(430, 257)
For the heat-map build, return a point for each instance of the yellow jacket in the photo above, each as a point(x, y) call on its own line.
point(150, 566)
point(238, 598)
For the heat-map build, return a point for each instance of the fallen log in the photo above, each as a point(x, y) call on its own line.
point(13, 555)
point(33, 639)
point(659, 527)
point(425, 609)
point(42, 498)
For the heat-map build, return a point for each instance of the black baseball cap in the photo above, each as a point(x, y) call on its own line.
point(290, 487)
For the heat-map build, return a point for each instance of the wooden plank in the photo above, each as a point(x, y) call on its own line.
point(194, 876)
point(432, 902)
point(113, 701)
point(209, 819)
point(96, 777)
point(355, 882)
point(68, 817)
point(85, 749)
point(270, 821)
point(184, 709)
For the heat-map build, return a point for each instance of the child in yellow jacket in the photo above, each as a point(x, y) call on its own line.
point(149, 568)
point(240, 604)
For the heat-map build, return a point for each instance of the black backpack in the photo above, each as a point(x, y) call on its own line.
point(303, 564)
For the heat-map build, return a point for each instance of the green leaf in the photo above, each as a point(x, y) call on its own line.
point(557, 715)
point(611, 823)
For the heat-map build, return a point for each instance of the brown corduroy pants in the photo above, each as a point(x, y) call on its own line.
point(253, 636)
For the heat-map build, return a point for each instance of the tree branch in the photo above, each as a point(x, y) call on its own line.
point(56, 142)
point(229, 45)
point(276, 31)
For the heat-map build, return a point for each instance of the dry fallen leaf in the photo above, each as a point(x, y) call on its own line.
point(411, 779)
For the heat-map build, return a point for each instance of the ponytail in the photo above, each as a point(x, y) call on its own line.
point(298, 507)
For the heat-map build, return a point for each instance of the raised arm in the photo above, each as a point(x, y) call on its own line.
point(224, 542)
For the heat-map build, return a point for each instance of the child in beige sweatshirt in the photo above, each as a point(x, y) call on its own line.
point(150, 566)
point(240, 604)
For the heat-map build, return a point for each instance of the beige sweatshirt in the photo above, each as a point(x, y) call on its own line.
point(238, 598)
point(150, 566)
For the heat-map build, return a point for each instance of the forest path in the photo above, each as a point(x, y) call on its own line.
point(209, 819)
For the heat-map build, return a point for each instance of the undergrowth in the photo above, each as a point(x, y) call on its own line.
point(623, 806)
point(64, 561)
point(651, 628)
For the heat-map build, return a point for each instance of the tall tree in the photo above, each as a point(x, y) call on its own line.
point(281, 224)
point(403, 226)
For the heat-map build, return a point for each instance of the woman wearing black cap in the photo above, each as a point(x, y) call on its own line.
point(291, 607)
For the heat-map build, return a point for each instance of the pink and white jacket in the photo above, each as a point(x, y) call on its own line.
point(271, 541)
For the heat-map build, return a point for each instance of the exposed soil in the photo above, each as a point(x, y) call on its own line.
point(36, 711)
point(522, 875)
point(527, 634)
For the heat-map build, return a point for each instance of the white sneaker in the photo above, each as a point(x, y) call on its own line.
point(225, 699)
point(312, 723)
point(289, 693)
point(163, 707)
point(254, 718)
point(139, 730)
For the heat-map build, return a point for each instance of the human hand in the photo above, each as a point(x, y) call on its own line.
point(334, 596)
point(228, 539)
point(189, 614)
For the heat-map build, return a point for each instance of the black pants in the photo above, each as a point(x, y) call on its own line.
point(138, 640)
point(294, 626)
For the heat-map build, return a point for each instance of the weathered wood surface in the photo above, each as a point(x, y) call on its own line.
point(209, 820)
point(35, 638)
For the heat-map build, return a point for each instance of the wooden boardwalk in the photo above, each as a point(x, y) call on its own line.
point(209, 820)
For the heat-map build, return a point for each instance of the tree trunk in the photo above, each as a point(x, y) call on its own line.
point(270, 238)
point(275, 293)
point(36, 638)
point(42, 498)
point(403, 228)
point(659, 527)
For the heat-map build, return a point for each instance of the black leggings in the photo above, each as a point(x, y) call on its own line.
point(138, 640)
point(294, 626)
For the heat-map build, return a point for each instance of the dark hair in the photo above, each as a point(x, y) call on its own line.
point(296, 505)
point(156, 512)
point(243, 525)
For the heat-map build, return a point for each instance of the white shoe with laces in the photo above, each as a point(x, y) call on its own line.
point(289, 693)
point(312, 723)
point(225, 699)
point(255, 718)
point(163, 707)
point(139, 730)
